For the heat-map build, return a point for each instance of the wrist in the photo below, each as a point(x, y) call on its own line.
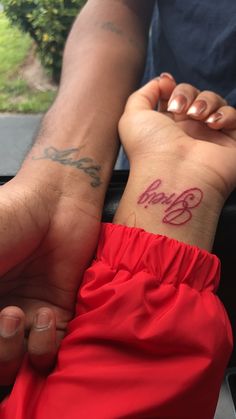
point(55, 184)
point(173, 201)
point(183, 162)
point(66, 172)
point(72, 157)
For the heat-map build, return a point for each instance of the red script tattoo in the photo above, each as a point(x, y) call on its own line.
point(178, 211)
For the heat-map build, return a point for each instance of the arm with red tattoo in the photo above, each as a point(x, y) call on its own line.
point(181, 170)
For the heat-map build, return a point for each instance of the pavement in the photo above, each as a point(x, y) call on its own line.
point(17, 133)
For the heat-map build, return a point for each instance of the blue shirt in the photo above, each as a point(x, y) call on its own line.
point(195, 40)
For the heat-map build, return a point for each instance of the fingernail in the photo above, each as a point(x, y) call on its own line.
point(8, 326)
point(197, 108)
point(177, 104)
point(43, 320)
point(167, 75)
point(215, 117)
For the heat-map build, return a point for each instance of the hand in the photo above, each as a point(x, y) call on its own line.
point(197, 128)
point(47, 239)
point(182, 162)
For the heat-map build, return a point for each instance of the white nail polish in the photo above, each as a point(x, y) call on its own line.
point(192, 110)
point(210, 119)
point(215, 117)
point(173, 106)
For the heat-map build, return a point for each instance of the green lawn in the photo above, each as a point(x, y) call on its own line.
point(15, 94)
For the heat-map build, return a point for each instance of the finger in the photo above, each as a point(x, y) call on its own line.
point(42, 343)
point(205, 104)
point(181, 98)
point(224, 119)
point(12, 325)
point(145, 98)
point(148, 96)
point(167, 85)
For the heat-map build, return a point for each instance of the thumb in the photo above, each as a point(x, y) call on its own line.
point(148, 96)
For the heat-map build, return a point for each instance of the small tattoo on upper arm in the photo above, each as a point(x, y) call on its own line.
point(112, 27)
point(86, 164)
point(178, 206)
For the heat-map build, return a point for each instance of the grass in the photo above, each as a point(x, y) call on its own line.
point(15, 94)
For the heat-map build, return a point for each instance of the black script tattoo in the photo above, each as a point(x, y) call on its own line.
point(179, 206)
point(86, 164)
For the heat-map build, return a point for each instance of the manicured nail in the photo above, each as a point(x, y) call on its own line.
point(167, 75)
point(214, 117)
point(8, 326)
point(178, 104)
point(43, 320)
point(197, 108)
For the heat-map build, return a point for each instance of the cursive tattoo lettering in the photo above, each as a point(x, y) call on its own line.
point(179, 206)
point(85, 164)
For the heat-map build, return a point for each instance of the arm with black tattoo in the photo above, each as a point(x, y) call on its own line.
point(103, 62)
point(50, 213)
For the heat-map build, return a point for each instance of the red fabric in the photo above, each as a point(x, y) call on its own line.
point(150, 338)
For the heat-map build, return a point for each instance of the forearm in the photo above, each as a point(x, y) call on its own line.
point(103, 61)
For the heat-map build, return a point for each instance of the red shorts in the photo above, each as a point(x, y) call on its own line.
point(150, 338)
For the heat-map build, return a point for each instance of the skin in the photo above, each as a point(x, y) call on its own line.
point(46, 248)
point(165, 147)
point(50, 213)
point(177, 152)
